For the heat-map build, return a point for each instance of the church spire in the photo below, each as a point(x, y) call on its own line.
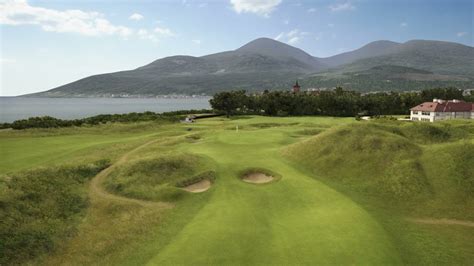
point(296, 87)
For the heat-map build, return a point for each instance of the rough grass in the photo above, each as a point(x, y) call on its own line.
point(366, 157)
point(155, 178)
point(41, 207)
point(427, 133)
point(186, 181)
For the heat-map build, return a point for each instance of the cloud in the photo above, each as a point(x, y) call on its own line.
point(292, 37)
point(312, 10)
point(198, 42)
point(259, 7)
point(280, 36)
point(164, 31)
point(461, 34)
point(294, 40)
point(68, 21)
point(331, 25)
point(341, 7)
point(286, 21)
point(154, 35)
point(19, 12)
point(136, 16)
point(403, 24)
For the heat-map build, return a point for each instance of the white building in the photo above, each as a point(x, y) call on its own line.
point(441, 110)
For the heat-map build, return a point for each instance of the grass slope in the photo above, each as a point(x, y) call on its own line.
point(325, 207)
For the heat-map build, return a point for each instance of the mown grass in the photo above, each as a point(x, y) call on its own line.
point(345, 191)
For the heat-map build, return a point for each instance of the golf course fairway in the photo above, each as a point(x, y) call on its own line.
point(295, 219)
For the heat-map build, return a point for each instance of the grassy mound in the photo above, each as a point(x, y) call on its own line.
point(450, 170)
point(208, 175)
point(369, 157)
point(40, 207)
point(427, 133)
point(157, 178)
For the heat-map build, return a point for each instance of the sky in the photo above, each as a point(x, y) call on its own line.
point(45, 44)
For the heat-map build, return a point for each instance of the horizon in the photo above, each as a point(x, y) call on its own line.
point(76, 40)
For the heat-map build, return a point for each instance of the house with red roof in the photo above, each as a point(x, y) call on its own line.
point(441, 110)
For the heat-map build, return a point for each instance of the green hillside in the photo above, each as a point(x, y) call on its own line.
point(268, 64)
point(385, 77)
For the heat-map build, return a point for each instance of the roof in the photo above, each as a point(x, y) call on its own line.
point(448, 106)
point(296, 85)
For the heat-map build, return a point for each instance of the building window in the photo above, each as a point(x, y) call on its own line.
point(425, 113)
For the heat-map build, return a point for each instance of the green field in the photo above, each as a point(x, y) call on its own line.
point(347, 192)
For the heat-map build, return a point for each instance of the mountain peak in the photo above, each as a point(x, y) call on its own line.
point(273, 48)
point(266, 45)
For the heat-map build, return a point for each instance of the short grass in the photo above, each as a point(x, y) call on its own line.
point(324, 209)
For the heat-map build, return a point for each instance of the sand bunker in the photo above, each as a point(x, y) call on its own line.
point(257, 178)
point(200, 186)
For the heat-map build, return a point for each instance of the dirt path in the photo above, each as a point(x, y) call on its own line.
point(443, 221)
point(96, 189)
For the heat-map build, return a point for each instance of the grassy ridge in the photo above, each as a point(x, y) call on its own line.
point(391, 159)
point(398, 170)
point(156, 178)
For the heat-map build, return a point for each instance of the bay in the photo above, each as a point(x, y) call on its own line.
point(14, 108)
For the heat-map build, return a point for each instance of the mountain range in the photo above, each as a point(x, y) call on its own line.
point(269, 64)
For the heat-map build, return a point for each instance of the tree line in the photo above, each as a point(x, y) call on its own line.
point(51, 122)
point(338, 102)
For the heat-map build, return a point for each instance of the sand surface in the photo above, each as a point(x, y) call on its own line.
point(200, 186)
point(257, 178)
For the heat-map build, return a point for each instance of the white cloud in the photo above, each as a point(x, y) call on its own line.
point(280, 36)
point(164, 31)
point(312, 10)
point(259, 7)
point(154, 35)
point(136, 16)
point(294, 40)
point(292, 33)
point(198, 42)
point(461, 34)
point(341, 7)
point(403, 24)
point(292, 37)
point(71, 21)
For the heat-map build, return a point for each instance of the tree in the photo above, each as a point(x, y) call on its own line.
point(229, 102)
